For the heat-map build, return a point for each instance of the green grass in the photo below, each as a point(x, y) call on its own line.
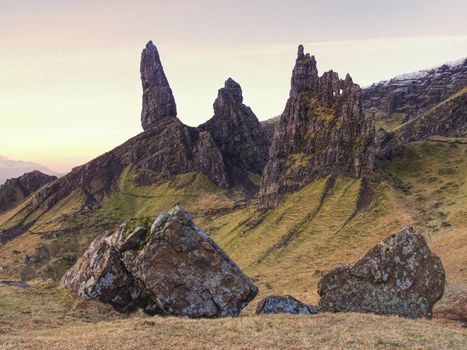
point(390, 122)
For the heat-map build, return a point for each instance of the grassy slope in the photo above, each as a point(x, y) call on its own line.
point(285, 251)
point(193, 191)
point(309, 233)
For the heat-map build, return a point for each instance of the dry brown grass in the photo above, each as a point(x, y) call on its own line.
point(323, 331)
point(47, 317)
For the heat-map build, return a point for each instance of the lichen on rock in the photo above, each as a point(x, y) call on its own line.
point(397, 276)
point(174, 265)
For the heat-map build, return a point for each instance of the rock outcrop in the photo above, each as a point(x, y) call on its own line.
point(158, 100)
point(237, 131)
point(173, 264)
point(275, 304)
point(448, 118)
point(321, 132)
point(398, 276)
point(414, 93)
point(13, 191)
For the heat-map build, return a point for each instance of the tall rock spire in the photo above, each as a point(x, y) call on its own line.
point(305, 73)
point(158, 100)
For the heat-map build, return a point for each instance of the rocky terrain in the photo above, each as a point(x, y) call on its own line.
point(165, 149)
point(414, 93)
point(321, 132)
point(269, 125)
point(15, 190)
point(448, 119)
point(237, 131)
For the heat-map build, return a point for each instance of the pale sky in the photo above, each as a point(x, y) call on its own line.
point(69, 70)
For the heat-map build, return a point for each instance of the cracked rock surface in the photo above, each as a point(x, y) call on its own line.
point(400, 275)
point(175, 265)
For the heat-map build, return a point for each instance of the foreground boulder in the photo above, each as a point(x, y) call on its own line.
point(172, 267)
point(186, 272)
point(398, 276)
point(275, 304)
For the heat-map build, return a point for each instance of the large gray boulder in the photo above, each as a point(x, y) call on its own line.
point(171, 266)
point(186, 272)
point(397, 276)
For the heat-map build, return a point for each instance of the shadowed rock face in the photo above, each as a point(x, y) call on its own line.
point(13, 191)
point(236, 130)
point(174, 264)
point(321, 132)
point(269, 125)
point(158, 100)
point(398, 276)
point(275, 304)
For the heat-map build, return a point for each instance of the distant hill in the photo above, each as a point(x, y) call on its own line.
point(15, 190)
point(10, 168)
point(406, 96)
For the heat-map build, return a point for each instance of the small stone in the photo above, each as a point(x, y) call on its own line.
point(274, 304)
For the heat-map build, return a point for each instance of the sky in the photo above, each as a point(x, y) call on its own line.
point(69, 70)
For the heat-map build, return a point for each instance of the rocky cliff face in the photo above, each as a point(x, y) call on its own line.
point(449, 119)
point(269, 125)
point(13, 191)
point(321, 132)
point(158, 100)
point(236, 130)
point(415, 93)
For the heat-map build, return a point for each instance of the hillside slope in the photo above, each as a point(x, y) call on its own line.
point(287, 249)
point(448, 118)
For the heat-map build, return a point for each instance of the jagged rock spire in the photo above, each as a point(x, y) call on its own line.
point(305, 73)
point(322, 132)
point(158, 100)
point(237, 131)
